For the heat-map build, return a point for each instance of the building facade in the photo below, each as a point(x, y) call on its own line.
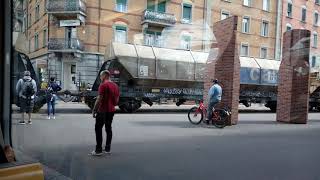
point(302, 14)
point(67, 39)
point(256, 26)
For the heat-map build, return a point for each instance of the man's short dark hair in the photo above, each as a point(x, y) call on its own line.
point(52, 79)
point(105, 72)
point(215, 81)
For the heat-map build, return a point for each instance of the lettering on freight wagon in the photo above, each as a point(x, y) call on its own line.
point(150, 95)
point(259, 94)
point(182, 91)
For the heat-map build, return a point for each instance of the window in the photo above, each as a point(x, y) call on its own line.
point(315, 40)
point(160, 7)
point(246, 24)
point(44, 38)
point(24, 25)
point(266, 5)
point(316, 19)
point(186, 42)
point(121, 6)
point(265, 28)
point(244, 50)
point(37, 12)
point(263, 52)
point(187, 13)
point(152, 38)
point(151, 5)
point(120, 34)
point(303, 14)
point(313, 61)
point(224, 15)
point(36, 42)
point(289, 9)
point(247, 2)
point(289, 27)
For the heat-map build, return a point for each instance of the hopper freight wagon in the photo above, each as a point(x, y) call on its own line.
point(147, 74)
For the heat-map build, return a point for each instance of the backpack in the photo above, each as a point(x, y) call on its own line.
point(28, 90)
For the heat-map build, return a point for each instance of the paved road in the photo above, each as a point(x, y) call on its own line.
point(152, 146)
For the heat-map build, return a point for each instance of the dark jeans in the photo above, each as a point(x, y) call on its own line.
point(210, 109)
point(51, 107)
point(103, 119)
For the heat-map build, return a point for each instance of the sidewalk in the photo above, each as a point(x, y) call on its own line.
point(75, 107)
point(156, 107)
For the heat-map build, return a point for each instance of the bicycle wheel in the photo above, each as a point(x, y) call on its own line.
point(220, 122)
point(195, 116)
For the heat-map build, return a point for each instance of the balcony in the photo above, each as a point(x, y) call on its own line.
point(66, 8)
point(65, 45)
point(158, 18)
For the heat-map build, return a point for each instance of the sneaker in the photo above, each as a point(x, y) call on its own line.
point(29, 122)
point(48, 117)
point(94, 153)
point(107, 152)
point(53, 117)
point(22, 122)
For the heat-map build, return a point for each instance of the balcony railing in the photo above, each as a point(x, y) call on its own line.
point(159, 18)
point(65, 6)
point(65, 45)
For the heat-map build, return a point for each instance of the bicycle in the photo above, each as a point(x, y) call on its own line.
point(219, 116)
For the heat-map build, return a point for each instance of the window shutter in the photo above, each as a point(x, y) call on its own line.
point(187, 11)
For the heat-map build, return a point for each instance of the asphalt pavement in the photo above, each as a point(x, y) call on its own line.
point(157, 145)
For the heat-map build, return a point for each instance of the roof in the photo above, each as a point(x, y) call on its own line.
point(248, 62)
point(268, 64)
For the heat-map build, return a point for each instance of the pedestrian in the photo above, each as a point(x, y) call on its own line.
point(51, 93)
point(26, 89)
point(103, 111)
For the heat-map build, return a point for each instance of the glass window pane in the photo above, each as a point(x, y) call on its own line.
point(186, 12)
point(151, 5)
point(162, 6)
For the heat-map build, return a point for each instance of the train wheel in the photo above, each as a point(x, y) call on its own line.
point(273, 108)
point(130, 106)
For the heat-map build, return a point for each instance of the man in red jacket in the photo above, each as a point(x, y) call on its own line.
point(103, 111)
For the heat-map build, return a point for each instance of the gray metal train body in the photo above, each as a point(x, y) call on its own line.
point(147, 74)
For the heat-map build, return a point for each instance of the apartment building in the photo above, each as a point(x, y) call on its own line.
point(68, 38)
point(304, 14)
point(256, 26)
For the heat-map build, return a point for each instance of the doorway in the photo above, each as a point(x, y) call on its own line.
point(71, 35)
point(69, 76)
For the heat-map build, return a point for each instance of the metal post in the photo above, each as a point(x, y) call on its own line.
point(79, 89)
point(6, 88)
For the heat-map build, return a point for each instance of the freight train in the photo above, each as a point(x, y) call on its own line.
point(148, 74)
